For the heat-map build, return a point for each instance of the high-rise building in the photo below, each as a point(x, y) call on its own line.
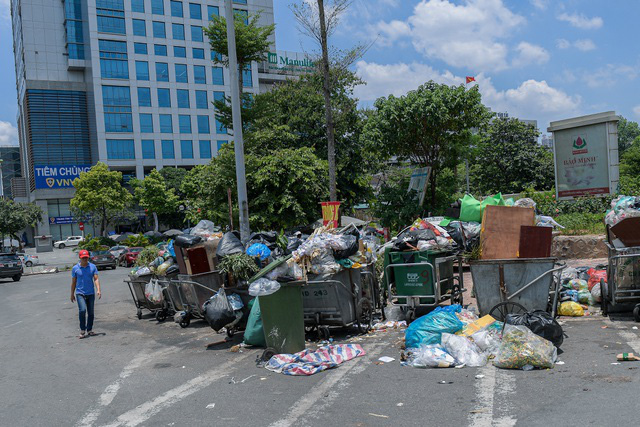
point(9, 168)
point(128, 83)
point(547, 141)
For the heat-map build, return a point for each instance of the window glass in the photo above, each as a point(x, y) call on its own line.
point(166, 123)
point(178, 31)
point(203, 124)
point(179, 52)
point(148, 149)
point(186, 149)
point(137, 6)
point(218, 76)
point(162, 71)
point(247, 79)
point(157, 7)
point(176, 8)
point(183, 98)
point(159, 31)
point(184, 123)
point(199, 75)
point(198, 53)
point(120, 149)
point(181, 73)
point(144, 97)
point(142, 70)
point(196, 33)
point(164, 97)
point(160, 49)
point(140, 48)
point(212, 11)
point(195, 11)
point(220, 128)
point(168, 151)
point(201, 99)
point(146, 123)
point(205, 149)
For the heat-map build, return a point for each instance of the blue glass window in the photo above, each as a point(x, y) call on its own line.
point(146, 123)
point(162, 71)
point(159, 31)
point(220, 128)
point(120, 149)
point(160, 49)
point(114, 122)
point(201, 99)
point(215, 56)
point(196, 33)
point(178, 31)
point(183, 98)
point(139, 27)
point(205, 149)
point(116, 96)
point(218, 96)
point(137, 6)
point(166, 123)
point(76, 50)
point(176, 9)
point(144, 97)
point(219, 144)
point(164, 98)
point(142, 70)
point(218, 76)
point(168, 151)
point(186, 149)
point(74, 31)
point(114, 69)
point(195, 11)
point(184, 123)
point(148, 149)
point(110, 24)
point(240, 1)
point(117, 109)
point(203, 124)
point(113, 59)
point(140, 48)
point(199, 74)
point(198, 53)
point(181, 73)
point(157, 7)
point(179, 52)
point(247, 77)
point(244, 14)
point(212, 11)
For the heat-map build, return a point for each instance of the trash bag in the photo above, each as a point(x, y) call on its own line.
point(487, 340)
point(431, 356)
point(570, 308)
point(143, 271)
point(235, 301)
point(583, 297)
point(203, 229)
point(596, 293)
point(525, 203)
point(263, 287)
point(352, 247)
point(254, 332)
point(579, 284)
point(428, 329)
point(187, 240)
point(170, 249)
point(259, 250)
point(496, 200)
point(406, 243)
point(595, 276)
point(173, 269)
point(294, 243)
point(153, 291)
point(470, 209)
point(162, 269)
point(264, 237)
point(229, 244)
point(218, 311)
point(540, 323)
point(521, 348)
point(465, 351)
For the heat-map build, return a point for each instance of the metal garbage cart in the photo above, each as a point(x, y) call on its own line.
point(192, 291)
point(283, 319)
point(520, 285)
point(623, 280)
point(137, 286)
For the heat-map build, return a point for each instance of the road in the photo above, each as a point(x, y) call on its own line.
point(143, 373)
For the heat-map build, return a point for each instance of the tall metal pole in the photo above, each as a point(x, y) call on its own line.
point(237, 122)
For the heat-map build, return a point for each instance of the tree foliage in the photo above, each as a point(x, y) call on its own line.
point(173, 178)
point(153, 194)
point(628, 133)
point(394, 205)
point(15, 217)
point(630, 171)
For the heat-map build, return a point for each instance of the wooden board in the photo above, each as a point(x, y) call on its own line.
point(211, 246)
point(500, 235)
point(628, 231)
point(535, 242)
point(180, 258)
point(197, 260)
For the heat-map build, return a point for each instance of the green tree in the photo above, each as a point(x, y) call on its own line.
point(154, 196)
point(101, 196)
point(509, 159)
point(394, 205)
point(15, 217)
point(628, 132)
point(630, 171)
point(173, 177)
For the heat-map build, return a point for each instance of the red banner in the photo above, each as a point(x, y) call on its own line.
point(330, 213)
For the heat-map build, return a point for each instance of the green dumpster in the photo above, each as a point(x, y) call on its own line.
point(283, 318)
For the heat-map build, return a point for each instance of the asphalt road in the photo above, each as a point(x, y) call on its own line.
point(140, 372)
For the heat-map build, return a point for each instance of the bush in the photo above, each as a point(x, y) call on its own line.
point(581, 223)
point(95, 243)
point(137, 240)
point(147, 256)
point(547, 204)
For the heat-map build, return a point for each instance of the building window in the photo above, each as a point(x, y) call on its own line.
point(73, 28)
point(181, 73)
point(140, 48)
point(215, 56)
point(201, 99)
point(179, 52)
point(159, 30)
point(195, 11)
point(218, 76)
point(142, 70)
point(186, 149)
point(113, 59)
point(114, 122)
point(220, 128)
point(178, 31)
point(117, 109)
point(137, 6)
point(205, 149)
point(168, 151)
point(160, 49)
point(164, 98)
point(176, 9)
point(139, 27)
point(76, 50)
point(212, 11)
point(219, 145)
point(199, 74)
point(240, 1)
point(244, 14)
point(162, 71)
point(166, 123)
point(120, 149)
point(157, 7)
point(203, 124)
point(198, 53)
point(247, 77)
point(148, 149)
point(184, 123)
point(146, 123)
point(183, 98)
point(196, 33)
point(218, 96)
point(110, 24)
point(144, 97)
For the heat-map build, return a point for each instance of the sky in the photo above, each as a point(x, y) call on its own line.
point(541, 60)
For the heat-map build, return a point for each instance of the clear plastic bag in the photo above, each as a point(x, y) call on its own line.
point(153, 291)
point(263, 287)
point(465, 351)
point(431, 356)
point(521, 348)
point(487, 340)
point(204, 229)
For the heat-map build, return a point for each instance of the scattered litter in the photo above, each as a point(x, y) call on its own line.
point(615, 363)
point(389, 324)
point(400, 404)
point(386, 359)
point(445, 382)
point(211, 405)
point(604, 327)
point(478, 411)
point(308, 362)
point(378, 415)
point(183, 367)
point(263, 378)
point(626, 357)
point(605, 346)
point(233, 380)
point(235, 349)
point(479, 377)
point(559, 362)
point(635, 327)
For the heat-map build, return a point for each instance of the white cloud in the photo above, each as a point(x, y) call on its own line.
point(563, 44)
point(5, 9)
point(580, 21)
point(610, 75)
point(530, 54)
point(636, 110)
point(540, 4)
point(391, 31)
point(8, 134)
point(585, 45)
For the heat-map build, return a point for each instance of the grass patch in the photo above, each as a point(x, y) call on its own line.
point(578, 224)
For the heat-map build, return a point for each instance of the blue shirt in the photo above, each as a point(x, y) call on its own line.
point(84, 276)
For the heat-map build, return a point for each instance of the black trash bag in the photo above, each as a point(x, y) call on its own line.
point(405, 243)
point(264, 237)
point(229, 244)
point(172, 270)
point(187, 240)
point(218, 312)
point(352, 247)
point(294, 243)
point(540, 323)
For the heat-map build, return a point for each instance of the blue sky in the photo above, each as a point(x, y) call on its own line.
point(536, 59)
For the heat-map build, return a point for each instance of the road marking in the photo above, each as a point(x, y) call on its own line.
point(142, 413)
point(482, 415)
point(302, 406)
point(13, 324)
point(632, 339)
point(506, 386)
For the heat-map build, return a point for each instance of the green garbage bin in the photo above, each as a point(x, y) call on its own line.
point(283, 318)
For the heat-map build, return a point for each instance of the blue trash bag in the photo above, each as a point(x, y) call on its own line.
point(170, 248)
point(453, 308)
point(428, 329)
point(259, 250)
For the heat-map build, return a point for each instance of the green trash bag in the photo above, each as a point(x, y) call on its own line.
point(254, 332)
point(496, 200)
point(470, 209)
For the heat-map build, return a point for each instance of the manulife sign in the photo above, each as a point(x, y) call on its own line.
point(283, 62)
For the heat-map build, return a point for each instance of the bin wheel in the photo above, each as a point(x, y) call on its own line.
point(364, 315)
point(267, 354)
point(139, 314)
point(185, 322)
point(636, 313)
point(161, 315)
point(323, 333)
point(500, 311)
point(457, 297)
point(230, 332)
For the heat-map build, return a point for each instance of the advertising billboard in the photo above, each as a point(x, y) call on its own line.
point(57, 176)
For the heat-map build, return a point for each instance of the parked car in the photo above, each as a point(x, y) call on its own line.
point(28, 260)
point(103, 259)
point(128, 257)
point(69, 241)
point(116, 251)
point(10, 266)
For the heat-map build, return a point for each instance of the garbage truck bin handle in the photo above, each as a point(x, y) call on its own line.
point(519, 291)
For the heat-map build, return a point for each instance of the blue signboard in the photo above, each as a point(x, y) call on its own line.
point(62, 220)
point(57, 176)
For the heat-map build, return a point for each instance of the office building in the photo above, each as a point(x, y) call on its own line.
point(9, 168)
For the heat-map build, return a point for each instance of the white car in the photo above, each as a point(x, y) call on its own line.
point(69, 241)
point(28, 260)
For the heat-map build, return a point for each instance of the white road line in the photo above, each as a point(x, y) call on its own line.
point(13, 324)
point(632, 339)
point(482, 415)
point(143, 412)
point(505, 388)
point(304, 404)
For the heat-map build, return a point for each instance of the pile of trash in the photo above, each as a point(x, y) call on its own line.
point(581, 289)
point(455, 337)
point(424, 235)
point(622, 207)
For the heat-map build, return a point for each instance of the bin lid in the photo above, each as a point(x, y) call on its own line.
point(269, 268)
point(628, 231)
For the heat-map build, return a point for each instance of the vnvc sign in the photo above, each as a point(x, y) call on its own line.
point(57, 176)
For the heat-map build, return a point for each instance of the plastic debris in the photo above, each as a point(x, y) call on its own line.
point(386, 359)
point(263, 287)
point(521, 347)
point(430, 356)
point(465, 351)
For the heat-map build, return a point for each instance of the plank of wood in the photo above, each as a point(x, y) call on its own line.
point(500, 235)
point(535, 242)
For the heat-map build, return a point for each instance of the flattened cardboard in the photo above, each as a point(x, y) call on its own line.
point(500, 235)
point(535, 242)
point(628, 231)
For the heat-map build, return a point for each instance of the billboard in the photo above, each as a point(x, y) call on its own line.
point(57, 176)
point(294, 63)
point(418, 183)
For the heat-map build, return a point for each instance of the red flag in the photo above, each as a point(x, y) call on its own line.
point(470, 79)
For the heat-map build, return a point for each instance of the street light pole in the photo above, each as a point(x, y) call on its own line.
point(237, 122)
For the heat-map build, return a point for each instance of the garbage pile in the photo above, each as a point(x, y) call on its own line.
point(622, 207)
point(451, 336)
point(581, 290)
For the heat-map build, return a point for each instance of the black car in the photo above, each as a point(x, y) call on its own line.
point(103, 259)
point(10, 266)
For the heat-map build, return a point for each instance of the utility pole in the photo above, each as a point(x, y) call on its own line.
point(236, 111)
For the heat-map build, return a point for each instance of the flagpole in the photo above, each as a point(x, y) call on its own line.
point(466, 157)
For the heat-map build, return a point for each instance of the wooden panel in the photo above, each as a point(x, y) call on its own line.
point(197, 260)
point(535, 242)
point(500, 235)
point(211, 246)
point(180, 258)
point(628, 231)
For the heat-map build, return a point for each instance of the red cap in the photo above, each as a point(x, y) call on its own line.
point(83, 254)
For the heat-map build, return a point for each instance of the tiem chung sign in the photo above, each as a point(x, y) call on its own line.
point(57, 176)
point(283, 62)
point(585, 152)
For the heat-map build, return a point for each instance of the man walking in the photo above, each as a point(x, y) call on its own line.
point(83, 277)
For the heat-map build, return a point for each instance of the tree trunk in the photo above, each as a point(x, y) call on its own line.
point(326, 89)
point(155, 222)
